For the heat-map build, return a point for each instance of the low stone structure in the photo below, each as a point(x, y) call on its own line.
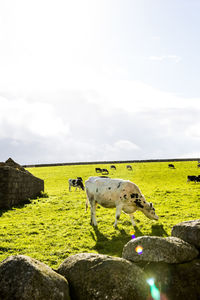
point(172, 264)
point(17, 184)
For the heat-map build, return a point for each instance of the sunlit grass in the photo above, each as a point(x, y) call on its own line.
point(50, 229)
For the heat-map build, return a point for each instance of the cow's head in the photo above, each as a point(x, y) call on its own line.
point(80, 183)
point(149, 211)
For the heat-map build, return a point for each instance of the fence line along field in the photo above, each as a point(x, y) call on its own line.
point(52, 228)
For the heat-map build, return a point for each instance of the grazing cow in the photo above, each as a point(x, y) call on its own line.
point(129, 167)
point(193, 178)
point(171, 166)
point(104, 171)
point(122, 194)
point(77, 183)
point(113, 167)
point(98, 170)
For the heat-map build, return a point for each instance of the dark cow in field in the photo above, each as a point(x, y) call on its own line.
point(122, 194)
point(77, 183)
point(171, 166)
point(113, 167)
point(104, 172)
point(98, 170)
point(193, 178)
point(129, 167)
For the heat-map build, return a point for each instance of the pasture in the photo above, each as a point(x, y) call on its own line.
point(50, 229)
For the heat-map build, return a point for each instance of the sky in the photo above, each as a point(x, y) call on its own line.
point(97, 80)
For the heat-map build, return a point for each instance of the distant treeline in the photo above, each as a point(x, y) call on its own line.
point(111, 162)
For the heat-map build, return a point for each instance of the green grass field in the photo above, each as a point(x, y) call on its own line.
point(50, 229)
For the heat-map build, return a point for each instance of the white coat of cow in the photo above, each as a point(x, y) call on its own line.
point(122, 194)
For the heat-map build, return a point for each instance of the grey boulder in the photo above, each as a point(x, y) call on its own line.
point(156, 249)
point(25, 278)
point(175, 281)
point(188, 231)
point(95, 276)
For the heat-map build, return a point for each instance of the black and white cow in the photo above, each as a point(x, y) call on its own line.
point(113, 167)
point(122, 194)
point(171, 166)
point(193, 178)
point(129, 167)
point(77, 183)
point(98, 170)
point(104, 171)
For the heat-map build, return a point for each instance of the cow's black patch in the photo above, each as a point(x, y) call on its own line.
point(137, 202)
point(125, 196)
point(73, 181)
point(119, 185)
point(134, 195)
point(118, 217)
point(109, 188)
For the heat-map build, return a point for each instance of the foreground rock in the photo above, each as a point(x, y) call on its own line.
point(95, 276)
point(156, 249)
point(188, 231)
point(24, 278)
point(175, 281)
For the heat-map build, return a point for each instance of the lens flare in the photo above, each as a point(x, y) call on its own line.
point(139, 249)
point(154, 290)
point(150, 281)
point(132, 232)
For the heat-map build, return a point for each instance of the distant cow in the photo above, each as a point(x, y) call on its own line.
point(198, 166)
point(171, 166)
point(113, 167)
point(119, 193)
point(193, 178)
point(104, 171)
point(98, 170)
point(77, 183)
point(129, 167)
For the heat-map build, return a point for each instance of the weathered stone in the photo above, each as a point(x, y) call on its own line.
point(158, 249)
point(11, 163)
point(175, 281)
point(188, 231)
point(24, 278)
point(17, 185)
point(98, 277)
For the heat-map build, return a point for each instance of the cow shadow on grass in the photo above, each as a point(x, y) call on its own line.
point(158, 230)
point(112, 246)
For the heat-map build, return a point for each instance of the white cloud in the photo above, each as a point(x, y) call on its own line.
point(24, 119)
point(160, 58)
point(194, 130)
point(126, 145)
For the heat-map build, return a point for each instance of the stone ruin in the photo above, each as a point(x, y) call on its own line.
point(173, 263)
point(17, 184)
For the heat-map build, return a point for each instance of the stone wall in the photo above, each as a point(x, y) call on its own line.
point(17, 184)
point(166, 269)
point(111, 162)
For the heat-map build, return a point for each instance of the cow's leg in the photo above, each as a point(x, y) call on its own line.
point(132, 219)
point(117, 215)
point(69, 187)
point(93, 212)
